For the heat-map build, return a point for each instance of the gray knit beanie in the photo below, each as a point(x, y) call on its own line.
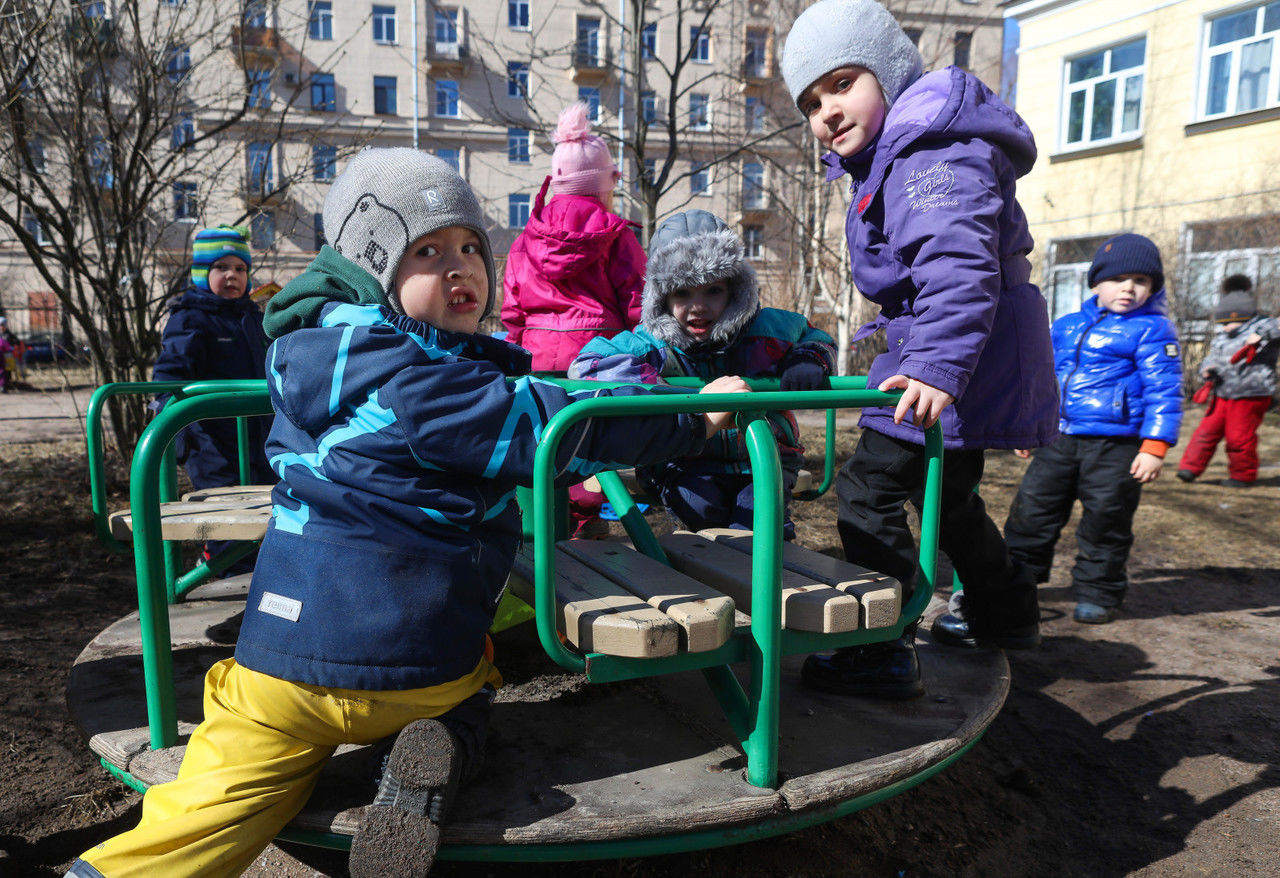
point(689, 249)
point(386, 199)
point(846, 33)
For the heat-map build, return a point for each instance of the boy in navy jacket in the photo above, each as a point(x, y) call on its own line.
point(399, 443)
point(1120, 375)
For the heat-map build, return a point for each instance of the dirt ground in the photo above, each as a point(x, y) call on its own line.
point(1146, 747)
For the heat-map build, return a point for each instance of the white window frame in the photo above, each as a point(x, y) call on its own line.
point(753, 240)
point(1089, 88)
point(259, 88)
point(320, 19)
point(518, 14)
point(186, 201)
point(518, 79)
point(753, 113)
point(699, 121)
point(650, 112)
point(754, 194)
point(324, 162)
point(33, 227)
point(444, 28)
point(699, 170)
point(518, 209)
point(649, 41)
point(699, 44)
point(383, 18)
point(1233, 52)
point(386, 84)
point(443, 88)
point(590, 95)
point(519, 146)
point(588, 48)
point(755, 52)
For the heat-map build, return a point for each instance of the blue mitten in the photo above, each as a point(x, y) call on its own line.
point(804, 375)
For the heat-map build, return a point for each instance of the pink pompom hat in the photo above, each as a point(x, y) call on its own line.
point(581, 164)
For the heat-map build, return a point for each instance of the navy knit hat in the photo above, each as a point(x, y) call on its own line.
point(1127, 254)
point(210, 245)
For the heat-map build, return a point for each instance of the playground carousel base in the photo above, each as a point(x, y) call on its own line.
point(577, 770)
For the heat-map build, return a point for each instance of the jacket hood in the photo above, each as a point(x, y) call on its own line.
point(570, 233)
point(690, 249)
point(949, 105)
point(330, 277)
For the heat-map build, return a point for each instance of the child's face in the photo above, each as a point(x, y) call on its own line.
point(442, 280)
point(697, 308)
point(845, 109)
point(1124, 292)
point(228, 277)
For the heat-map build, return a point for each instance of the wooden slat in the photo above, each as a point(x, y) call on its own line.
point(879, 594)
point(705, 616)
point(204, 520)
point(807, 605)
point(229, 492)
point(597, 615)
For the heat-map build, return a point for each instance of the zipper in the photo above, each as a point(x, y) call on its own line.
point(1062, 405)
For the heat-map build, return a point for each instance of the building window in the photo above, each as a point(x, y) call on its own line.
point(518, 14)
point(588, 48)
point(914, 34)
point(179, 63)
point(446, 98)
point(591, 97)
point(384, 95)
point(452, 156)
point(101, 165)
point(517, 79)
point(700, 45)
point(1068, 271)
point(753, 241)
point(754, 120)
point(755, 63)
point(35, 151)
point(446, 28)
point(1103, 95)
point(962, 43)
point(183, 133)
point(1240, 69)
point(259, 156)
point(185, 206)
point(259, 89)
point(320, 19)
point(518, 145)
point(324, 96)
point(700, 111)
point(255, 13)
point(1219, 248)
point(262, 231)
point(699, 179)
point(649, 41)
point(384, 24)
point(648, 171)
point(32, 226)
point(517, 211)
point(317, 230)
point(324, 162)
point(753, 194)
point(648, 107)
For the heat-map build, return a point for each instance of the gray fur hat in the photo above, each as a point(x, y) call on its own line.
point(845, 33)
point(688, 249)
point(386, 199)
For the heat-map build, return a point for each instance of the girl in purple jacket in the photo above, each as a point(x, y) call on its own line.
point(938, 240)
point(575, 273)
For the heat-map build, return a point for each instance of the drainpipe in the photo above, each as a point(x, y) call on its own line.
point(622, 77)
point(413, 47)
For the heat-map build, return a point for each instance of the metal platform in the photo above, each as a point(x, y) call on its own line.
point(576, 770)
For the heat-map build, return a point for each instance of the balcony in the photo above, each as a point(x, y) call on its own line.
point(754, 207)
point(256, 46)
point(257, 193)
point(447, 58)
point(589, 67)
point(755, 76)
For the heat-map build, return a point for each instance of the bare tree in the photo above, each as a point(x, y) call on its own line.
point(116, 136)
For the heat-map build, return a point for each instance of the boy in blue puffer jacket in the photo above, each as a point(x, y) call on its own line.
point(1120, 374)
point(399, 441)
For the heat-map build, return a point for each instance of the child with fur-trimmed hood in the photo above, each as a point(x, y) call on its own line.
point(701, 317)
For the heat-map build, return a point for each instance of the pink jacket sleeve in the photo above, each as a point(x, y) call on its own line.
point(626, 273)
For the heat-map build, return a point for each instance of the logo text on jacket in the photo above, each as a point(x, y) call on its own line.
point(931, 187)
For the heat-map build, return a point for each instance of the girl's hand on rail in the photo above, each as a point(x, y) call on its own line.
point(924, 401)
point(717, 421)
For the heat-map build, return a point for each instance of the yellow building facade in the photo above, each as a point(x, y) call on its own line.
point(1160, 117)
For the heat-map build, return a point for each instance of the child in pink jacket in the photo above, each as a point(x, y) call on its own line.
point(577, 270)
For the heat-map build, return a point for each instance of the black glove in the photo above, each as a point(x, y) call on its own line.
point(805, 375)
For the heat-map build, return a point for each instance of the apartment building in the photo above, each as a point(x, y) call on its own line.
point(1161, 118)
point(688, 93)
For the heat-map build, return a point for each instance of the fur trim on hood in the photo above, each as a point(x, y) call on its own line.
point(694, 248)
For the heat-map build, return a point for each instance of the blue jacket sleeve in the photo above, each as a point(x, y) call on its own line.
point(625, 357)
point(1159, 360)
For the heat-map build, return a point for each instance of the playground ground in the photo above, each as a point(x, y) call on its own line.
point(1146, 747)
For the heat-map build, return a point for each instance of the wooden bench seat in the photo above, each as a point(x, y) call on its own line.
point(234, 518)
point(613, 600)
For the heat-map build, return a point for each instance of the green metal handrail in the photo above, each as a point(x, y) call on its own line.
point(148, 541)
point(753, 715)
point(96, 449)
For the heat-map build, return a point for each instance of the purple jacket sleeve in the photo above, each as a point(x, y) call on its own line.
point(942, 218)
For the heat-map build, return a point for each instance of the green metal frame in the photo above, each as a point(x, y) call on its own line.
point(753, 711)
